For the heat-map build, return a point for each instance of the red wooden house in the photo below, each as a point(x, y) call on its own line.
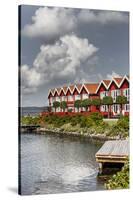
point(114, 87)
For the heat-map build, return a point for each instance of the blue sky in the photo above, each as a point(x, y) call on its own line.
point(65, 46)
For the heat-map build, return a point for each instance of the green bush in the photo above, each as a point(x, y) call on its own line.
point(119, 180)
point(30, 120)
point(121, 128)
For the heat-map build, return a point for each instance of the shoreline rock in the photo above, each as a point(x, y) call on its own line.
point(100, 137)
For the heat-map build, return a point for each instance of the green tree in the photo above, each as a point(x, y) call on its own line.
point(56, 105)
point(77, 104)
point(63, 105)
point(107, 101)
point(121, 100)
point(85, 103)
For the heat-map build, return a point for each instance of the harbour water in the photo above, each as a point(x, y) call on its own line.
point(57, 164)
point(32, 111)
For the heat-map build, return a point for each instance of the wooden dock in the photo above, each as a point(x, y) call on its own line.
point(28, 128)
point(114, 152)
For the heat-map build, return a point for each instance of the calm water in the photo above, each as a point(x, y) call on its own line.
point(32, 111)
point(53, 164)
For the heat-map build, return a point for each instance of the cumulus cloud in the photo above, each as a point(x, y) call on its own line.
point(30, 79)
point(51, 23)
point(62, 60)
point(102, 17)
point(113, 74)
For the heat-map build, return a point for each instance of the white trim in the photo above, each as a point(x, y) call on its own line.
point(113, 80)
point(75, 87)
point(125, 77)
point(63, 91)
point(102, 82)
point(83, 85)
point(55, 90)
point(49, 92)
point(68, 88)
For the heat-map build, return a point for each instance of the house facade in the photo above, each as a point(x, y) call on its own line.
point(69, 94)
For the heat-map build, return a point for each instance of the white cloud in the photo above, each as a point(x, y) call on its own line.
point(30, 79)
point(51, 23)
point(102, 17)
point(62, 60)
point(113, 74)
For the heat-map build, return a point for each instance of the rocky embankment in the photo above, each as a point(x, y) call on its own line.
point(89, 134)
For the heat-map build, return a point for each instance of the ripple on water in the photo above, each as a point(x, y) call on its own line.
point(57, 165)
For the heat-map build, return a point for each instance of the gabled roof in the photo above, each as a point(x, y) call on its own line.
point(64, 88)
point(118, 80)
point(91, 87)
point(79, 86)
point(125, 77)
point(107, 82)
point(71, 88)
point(103, 82)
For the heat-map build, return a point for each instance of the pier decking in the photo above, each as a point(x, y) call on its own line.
point(29, 127)
point(113, 152)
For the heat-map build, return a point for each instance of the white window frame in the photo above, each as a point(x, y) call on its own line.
point(127, 107)
point(104, 108)
point(85, 96)
point(64, 98)
point(115, 93)
point(57, 98)
point(77, 97)
point(103, 94)
point(70, 98)
point(126, 93)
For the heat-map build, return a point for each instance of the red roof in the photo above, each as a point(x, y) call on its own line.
point(65, 88)
point(79, 86)
point(107, 82)
point(118, 80)
point(91, 87)
point(71, 87)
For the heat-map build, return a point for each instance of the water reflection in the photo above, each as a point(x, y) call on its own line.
point(52, 164)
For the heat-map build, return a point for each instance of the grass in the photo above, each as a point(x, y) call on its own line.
point(110, 122)
point(92, 124)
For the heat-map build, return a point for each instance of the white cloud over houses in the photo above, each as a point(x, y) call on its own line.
point(51, 23)
point(62, 60)
point(113, 74)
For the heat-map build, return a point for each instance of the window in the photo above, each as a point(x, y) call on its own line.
point(126, 93)
point(103, 94)
point(58, 99)
point(104, 108)
point(77, 97)
point(64, 98)
point(114, 94)
point(85, 96)
point(116, 108)
point(126, 109)
point(70, 98)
